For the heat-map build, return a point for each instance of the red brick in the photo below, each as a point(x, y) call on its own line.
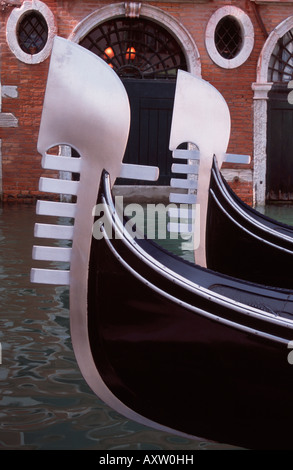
point(20, 158)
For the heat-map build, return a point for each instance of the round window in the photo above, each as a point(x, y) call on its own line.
point(228, 37)
point(32, 33)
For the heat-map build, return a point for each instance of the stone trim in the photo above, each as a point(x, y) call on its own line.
point(12, 26)
point(272, 2)
point(170, 23)
point(132, 9)
point(268, 47)
point(8, 91)
point(247, 31)
point(242, 175)
point(8, 119)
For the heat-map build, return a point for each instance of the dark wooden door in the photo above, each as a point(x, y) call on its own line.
point(279, 181)
point(151, 104)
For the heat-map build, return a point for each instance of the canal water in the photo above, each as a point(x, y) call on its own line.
point(44, 400)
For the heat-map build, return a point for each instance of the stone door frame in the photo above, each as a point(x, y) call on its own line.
point(261, 89)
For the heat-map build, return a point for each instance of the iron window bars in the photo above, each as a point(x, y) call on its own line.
point(136, 48)
point(32, 32)
point(228, 37)
point(281, 63)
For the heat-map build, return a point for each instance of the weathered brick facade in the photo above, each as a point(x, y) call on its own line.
point(20, 160)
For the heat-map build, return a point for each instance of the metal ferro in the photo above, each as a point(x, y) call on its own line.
point(86, 106)
point(200, 117)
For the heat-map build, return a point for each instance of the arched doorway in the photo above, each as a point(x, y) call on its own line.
point(272, 114)
point(146, 57)
point(146, 47)
point(279, 176)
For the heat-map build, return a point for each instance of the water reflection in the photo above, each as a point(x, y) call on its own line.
point(281, 212)
point(44, 401)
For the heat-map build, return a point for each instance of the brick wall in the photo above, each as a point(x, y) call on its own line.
point(21, 166)
point(20, 159)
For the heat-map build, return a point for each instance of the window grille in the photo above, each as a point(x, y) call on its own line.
point(228, 37)
point(136, 48)
point(281, 63)
point(32, 33)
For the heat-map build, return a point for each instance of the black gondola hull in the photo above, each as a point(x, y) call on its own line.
point(243, 243)
point(182, 359)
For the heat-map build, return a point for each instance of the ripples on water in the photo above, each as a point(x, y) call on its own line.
point(44, 401)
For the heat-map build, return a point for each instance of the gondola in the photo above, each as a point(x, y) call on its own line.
point(235, 239)
point(165, 342)
point(260, 248)
point(203, 354)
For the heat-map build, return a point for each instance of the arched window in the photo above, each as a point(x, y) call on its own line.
point(281, 62)
point(136, 48)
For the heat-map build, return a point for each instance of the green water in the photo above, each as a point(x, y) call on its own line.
point(44, 401)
